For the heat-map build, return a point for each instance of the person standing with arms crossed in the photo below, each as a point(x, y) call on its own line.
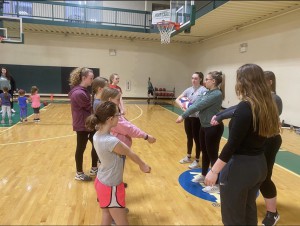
point(81, 107)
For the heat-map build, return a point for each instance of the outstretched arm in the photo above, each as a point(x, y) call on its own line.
point(123, 149)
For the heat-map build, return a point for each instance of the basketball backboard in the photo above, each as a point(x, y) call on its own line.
point(180, 17)
point(182, 12)
point(11, 30)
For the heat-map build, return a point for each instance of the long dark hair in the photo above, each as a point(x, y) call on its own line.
point(269, 75)
point(7, 74)
point(201, 76)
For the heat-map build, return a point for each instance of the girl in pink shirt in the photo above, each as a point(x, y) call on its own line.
point(124, 130)
point(35, 103)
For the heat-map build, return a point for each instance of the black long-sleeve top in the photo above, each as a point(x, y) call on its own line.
point(228, 112)
point(242, 140)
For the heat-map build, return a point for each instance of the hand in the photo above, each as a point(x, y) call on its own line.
point(179, 119)
point(213, 121)
point(210, 179)
point(145, 168)
point(151, 139)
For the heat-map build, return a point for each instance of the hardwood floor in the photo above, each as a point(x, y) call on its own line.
point(37, 172)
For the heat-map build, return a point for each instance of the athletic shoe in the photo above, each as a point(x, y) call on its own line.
point(212, 189)
point(13, 111)
point(185, 160)
point(93, 172)
point(82, 177)
point(194, 165)
point(271, 219)
point(199, 179)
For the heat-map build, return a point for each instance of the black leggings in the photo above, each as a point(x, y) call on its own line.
point(268, 188)
point(210, 138)
point(82, 139)
point(192, 129)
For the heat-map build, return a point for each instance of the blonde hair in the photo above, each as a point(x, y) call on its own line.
point(109, 93)
point(77, 74)
point(111, 77)
point(252, 87)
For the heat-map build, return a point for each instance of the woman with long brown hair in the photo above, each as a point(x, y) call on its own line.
point(242, 159)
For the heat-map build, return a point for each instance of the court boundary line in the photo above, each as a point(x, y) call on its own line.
point(227, 139)
point(44, 139)
point(52, 138)
point(140, 115)
point(28, 116)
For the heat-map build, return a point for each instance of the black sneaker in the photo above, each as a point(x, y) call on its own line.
point(271, 219)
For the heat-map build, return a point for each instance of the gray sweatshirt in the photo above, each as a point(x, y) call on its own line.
point(208, 104)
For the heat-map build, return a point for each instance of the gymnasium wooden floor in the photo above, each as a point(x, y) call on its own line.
point(37, 171)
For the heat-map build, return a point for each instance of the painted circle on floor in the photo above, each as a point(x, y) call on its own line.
point(185, 180)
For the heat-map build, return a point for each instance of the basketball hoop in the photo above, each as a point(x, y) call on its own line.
point(165, 28)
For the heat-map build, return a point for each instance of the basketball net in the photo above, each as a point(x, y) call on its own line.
point(165, 28)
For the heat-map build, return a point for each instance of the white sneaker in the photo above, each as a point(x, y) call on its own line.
point(199, 179)
point(212, 189)
point(13, 111)
point(194, 165)
point(185, 160)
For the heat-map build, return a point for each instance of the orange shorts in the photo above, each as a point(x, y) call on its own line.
point(110, 196)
